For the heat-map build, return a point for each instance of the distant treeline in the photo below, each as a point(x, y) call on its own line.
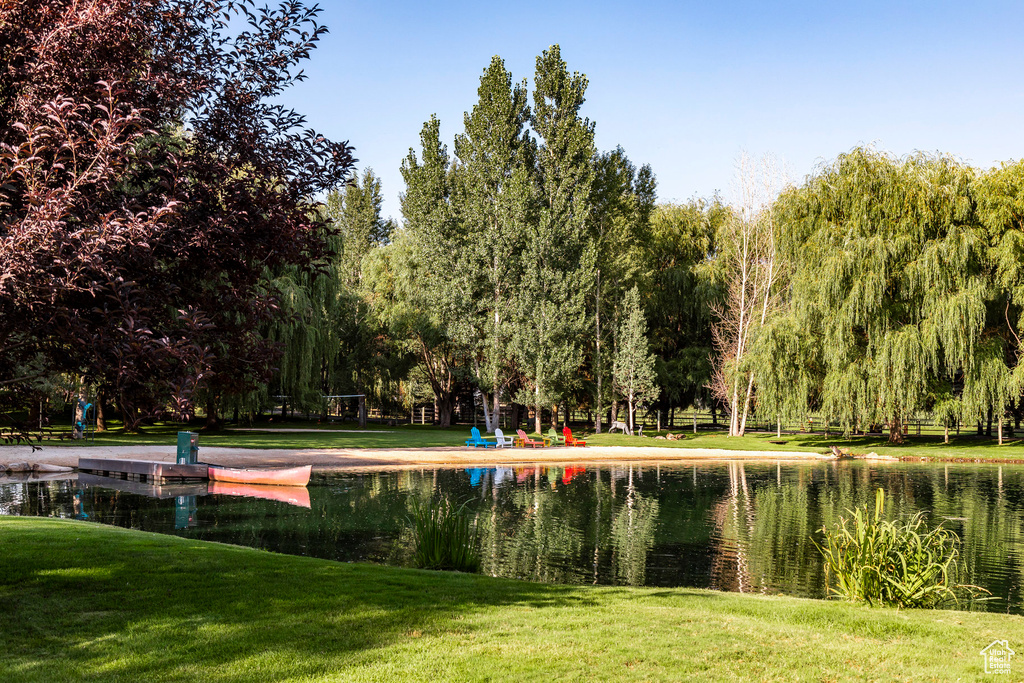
point(161, 249)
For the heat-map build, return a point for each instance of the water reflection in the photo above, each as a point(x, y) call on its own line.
point(736, 526)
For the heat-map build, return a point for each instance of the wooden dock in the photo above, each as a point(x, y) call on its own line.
point(148, 471)
point(171, 490)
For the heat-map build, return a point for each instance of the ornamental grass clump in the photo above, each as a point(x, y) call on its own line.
point(892, 564)
point(444, 537)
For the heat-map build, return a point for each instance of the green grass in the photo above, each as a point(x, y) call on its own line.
point(928, 447)
point(347, 436)
point(925, 447)
point(84, 602)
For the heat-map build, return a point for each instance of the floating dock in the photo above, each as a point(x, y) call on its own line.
point(148, 471)
point(172, 490)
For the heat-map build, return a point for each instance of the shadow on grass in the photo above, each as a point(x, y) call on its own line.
point(86, 602)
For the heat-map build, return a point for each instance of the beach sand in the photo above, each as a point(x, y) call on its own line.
point(341, 459)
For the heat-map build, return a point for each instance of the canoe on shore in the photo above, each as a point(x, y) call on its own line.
point(286, 476)
point(293, 495)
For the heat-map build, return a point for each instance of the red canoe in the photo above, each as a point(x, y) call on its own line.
point(288, 476)
point(293, 495)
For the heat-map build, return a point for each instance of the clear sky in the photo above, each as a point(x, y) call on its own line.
point(685, 86)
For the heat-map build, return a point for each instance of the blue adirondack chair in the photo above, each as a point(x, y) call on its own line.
point(476, 440)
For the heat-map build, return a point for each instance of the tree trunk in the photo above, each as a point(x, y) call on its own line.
point(615, 409)
point(896, 430)
point(35, 413)
point(495, 411)
point(945, 432)
point(778, 427)
point(537, 417)
point(491, 415)
point(999, 426)
point(746, 405)
point(734, 405)
point(212, 421)
point(101, 411)
point(130, 417)
point(443, 411)
point(598, 369)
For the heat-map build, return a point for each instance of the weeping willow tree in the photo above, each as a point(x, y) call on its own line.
point(331, 341)
point(313, 305)
point(1000, 204)
point(890, 282)
point(787, 361)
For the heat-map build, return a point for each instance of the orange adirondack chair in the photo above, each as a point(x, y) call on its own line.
point(525, 440)
point(570, 440)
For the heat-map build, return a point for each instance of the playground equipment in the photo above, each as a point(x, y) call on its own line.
point(84, 428)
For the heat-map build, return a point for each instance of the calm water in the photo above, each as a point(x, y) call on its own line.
point(725, 525)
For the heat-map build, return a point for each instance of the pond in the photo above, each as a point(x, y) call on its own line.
point(735, 526)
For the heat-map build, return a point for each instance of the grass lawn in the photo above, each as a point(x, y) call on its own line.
point(424, 436)
point(927, 447)
point(85, 602)
point(347, 436)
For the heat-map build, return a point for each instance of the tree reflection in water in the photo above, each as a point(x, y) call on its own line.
point(739, 526)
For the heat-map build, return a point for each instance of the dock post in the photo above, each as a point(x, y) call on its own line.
point(188, 448)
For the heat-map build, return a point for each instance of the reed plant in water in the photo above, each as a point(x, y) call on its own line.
point(892, 563)
point(444, 537)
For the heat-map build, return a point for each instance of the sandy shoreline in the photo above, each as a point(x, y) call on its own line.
point(340, 459)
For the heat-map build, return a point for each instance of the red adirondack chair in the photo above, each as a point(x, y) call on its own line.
point(570, 440)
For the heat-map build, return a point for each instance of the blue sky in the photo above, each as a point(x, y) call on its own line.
point(686, 86)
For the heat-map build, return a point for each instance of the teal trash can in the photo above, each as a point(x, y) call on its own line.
point(188, 448)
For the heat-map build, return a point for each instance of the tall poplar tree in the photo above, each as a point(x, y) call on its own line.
point(557, 259)
point(433, 303)
point(622, 203)
point(494, 198)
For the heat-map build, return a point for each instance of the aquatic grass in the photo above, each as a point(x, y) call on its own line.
point(444, 537)
point(891, 563)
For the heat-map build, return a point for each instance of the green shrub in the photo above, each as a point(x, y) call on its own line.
point(444, 537)
point(894, 564)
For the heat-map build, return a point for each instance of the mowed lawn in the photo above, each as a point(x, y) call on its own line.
point(84, 602)
point(928, 447)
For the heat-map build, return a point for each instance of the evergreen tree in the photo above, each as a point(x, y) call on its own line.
point(431, 304)
point(355, 211)
point(557, 261)
point(622, 202)
point(494, 197)
point(633, 372)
